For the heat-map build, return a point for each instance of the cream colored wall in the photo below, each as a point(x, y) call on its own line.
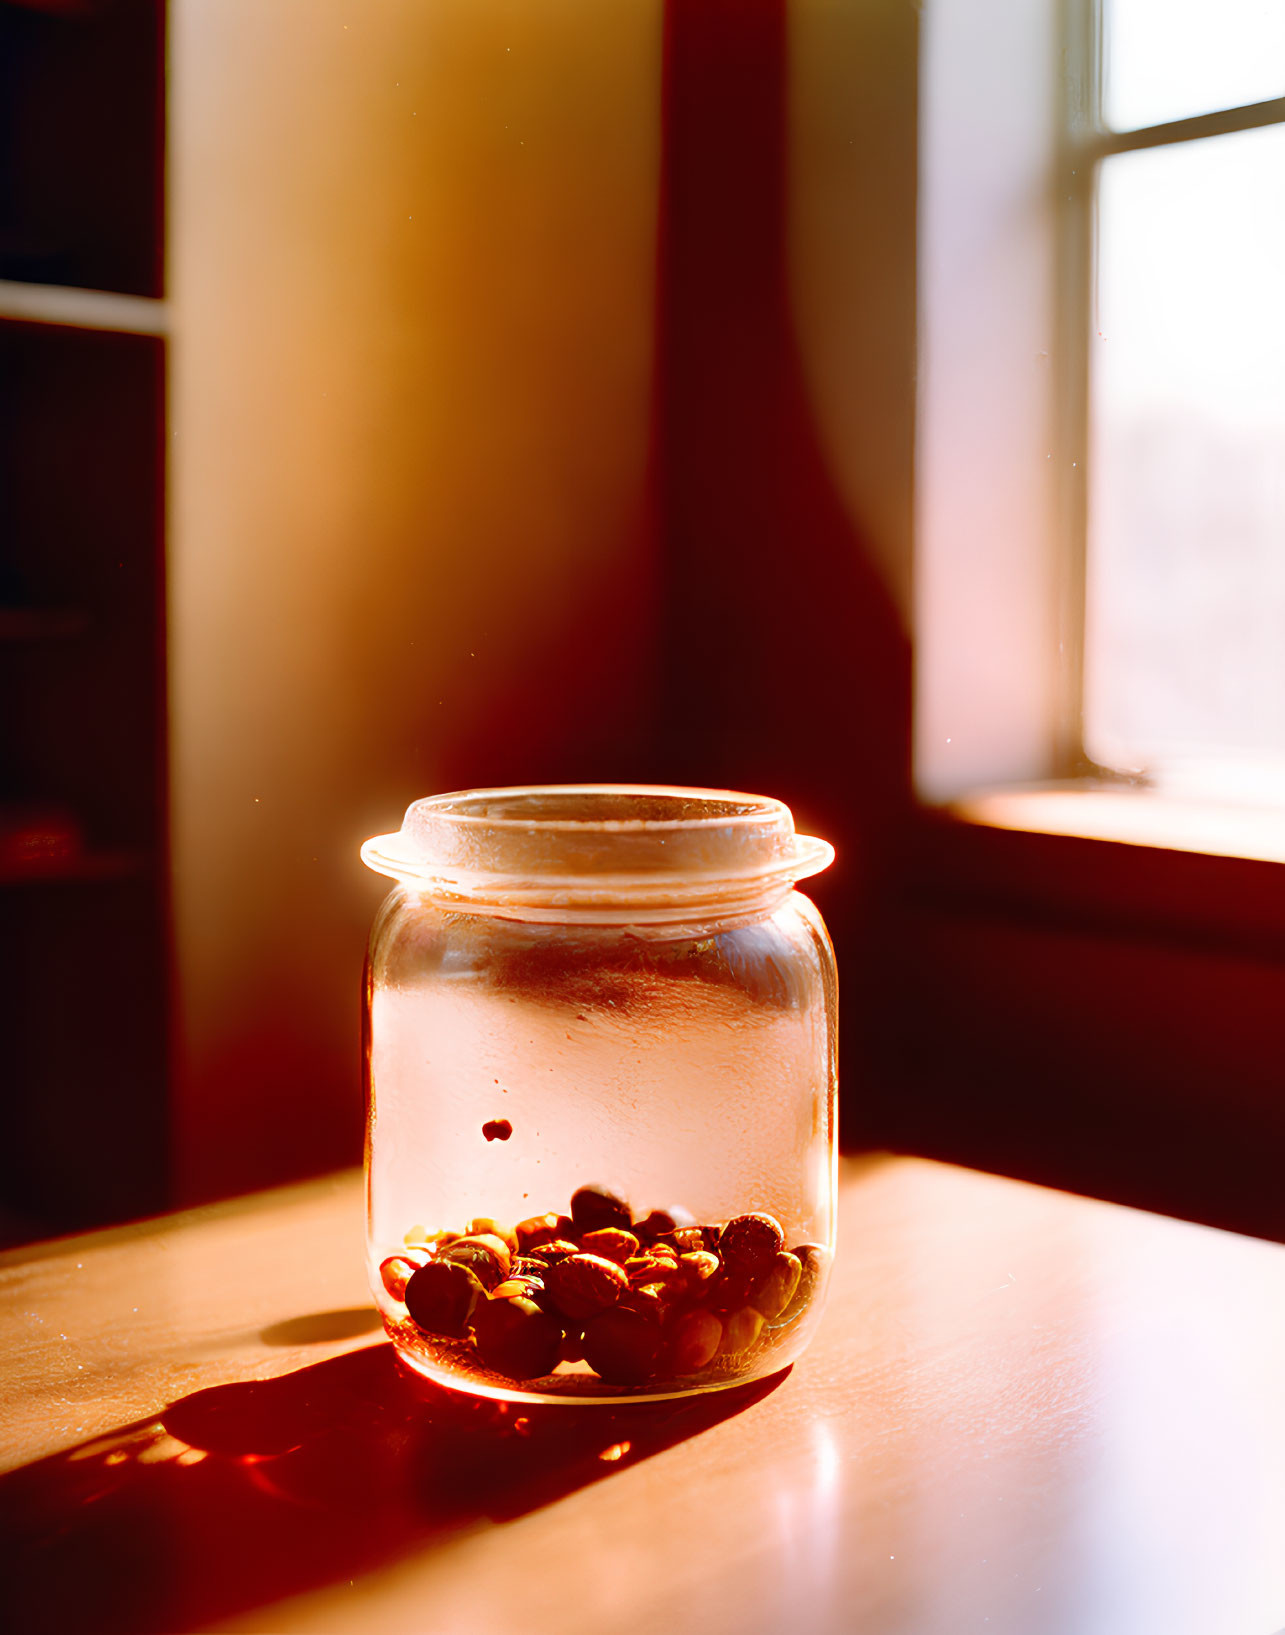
point(412, 259)
point(994, 594)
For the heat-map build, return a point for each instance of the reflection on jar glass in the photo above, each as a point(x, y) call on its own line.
point(601, 1072)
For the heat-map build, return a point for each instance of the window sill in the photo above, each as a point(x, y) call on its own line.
point(1113, 861)
point(1132, 817)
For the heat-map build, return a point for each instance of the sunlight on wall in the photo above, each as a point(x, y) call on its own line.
point(986, 572)
point(412, 255)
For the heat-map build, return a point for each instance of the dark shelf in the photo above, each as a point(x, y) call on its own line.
point(33, 624)
point(84, 983)
point(89, 868)
point(82, 120)
point(84, 921)
point(82, 472)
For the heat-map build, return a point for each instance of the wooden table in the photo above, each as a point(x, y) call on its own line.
point(1025, 1414)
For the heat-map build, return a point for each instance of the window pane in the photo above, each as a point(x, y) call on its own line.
point(1185, 618)
point(1169, 59)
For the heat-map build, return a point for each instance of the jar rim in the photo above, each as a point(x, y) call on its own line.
point(659, 850)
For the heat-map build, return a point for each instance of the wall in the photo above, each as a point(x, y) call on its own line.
point(542, 408)
point(853, 74)
point(412, 260)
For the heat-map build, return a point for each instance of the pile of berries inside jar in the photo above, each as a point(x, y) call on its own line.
point(636, 1302)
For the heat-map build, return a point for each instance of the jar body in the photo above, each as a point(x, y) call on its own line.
point(685, 1073)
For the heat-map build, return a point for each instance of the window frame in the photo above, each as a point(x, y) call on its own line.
point(1041, 646)
point(1088, 141)
point(1096, 1007)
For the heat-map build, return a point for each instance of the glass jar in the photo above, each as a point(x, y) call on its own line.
point(601, 1076)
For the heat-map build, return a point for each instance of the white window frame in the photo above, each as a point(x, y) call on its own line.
point(1011, 138)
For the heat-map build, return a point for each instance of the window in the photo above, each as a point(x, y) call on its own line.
point(1184, 673)
point(1103, 1016)
point(1101, 541)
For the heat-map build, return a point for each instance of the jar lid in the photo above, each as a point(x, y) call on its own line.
point(599, 850)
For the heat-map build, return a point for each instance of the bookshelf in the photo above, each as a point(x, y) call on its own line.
point(83, 796)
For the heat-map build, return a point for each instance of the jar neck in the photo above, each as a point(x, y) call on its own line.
point(708, 917)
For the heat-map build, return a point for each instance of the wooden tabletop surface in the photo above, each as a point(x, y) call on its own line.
point(1024, 1414)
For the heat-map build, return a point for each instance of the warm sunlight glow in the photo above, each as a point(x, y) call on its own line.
point(1134, 818)
point(985, 474)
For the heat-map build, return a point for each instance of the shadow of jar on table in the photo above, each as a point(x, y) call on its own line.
point(243, 1494)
